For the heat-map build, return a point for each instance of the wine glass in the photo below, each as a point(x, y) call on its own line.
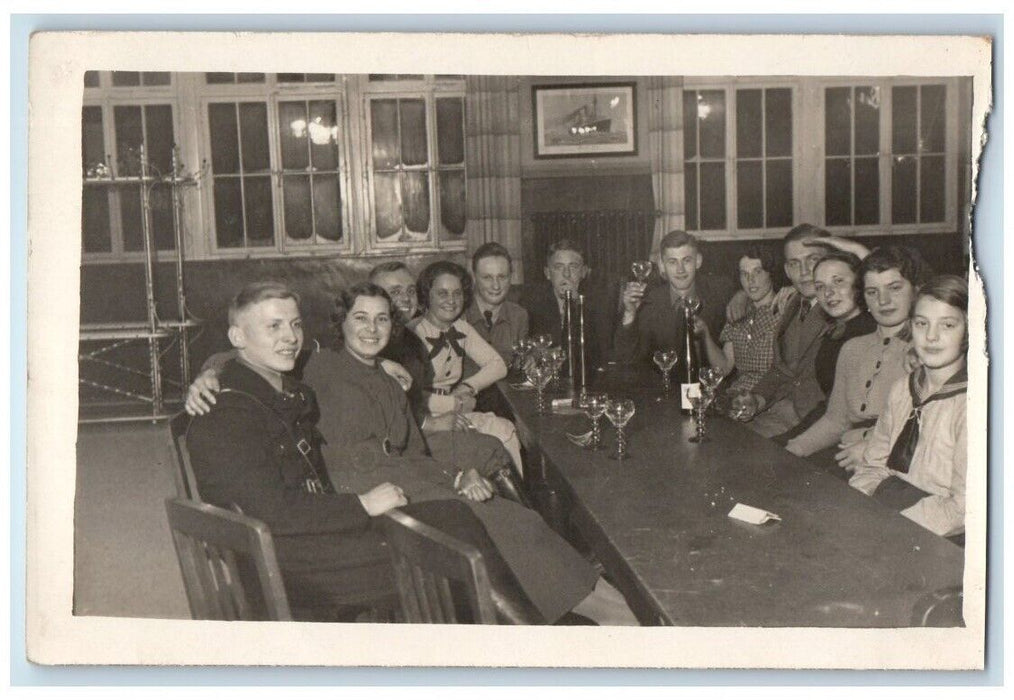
point(642, 270)
point(539, 374)
point(542, 341)
point(698, 402)
point(595, 407)
point(692, 304)
point(711, 378)
point(666, 360)
point(619, 412)
point(540, 346)
point(555, 357)
point(520, 352)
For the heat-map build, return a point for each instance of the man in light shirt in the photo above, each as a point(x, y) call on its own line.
point(500, 322)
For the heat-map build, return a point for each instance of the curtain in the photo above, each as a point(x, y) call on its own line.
point(493, 163)
point(665, 142)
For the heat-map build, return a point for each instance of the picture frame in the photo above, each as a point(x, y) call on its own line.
point(584, 120)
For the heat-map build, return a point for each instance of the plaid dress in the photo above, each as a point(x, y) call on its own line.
point(752, 339)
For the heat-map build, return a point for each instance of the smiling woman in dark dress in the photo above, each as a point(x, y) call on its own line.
point(371, 437)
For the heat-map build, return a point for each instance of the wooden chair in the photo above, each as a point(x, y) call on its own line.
point(183, 472)
point(228, 563)
point(437, 575)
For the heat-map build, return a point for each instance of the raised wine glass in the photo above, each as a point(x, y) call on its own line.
point(595, 406)
point(539, 374)
point(642, 270)
point(619, 412)
point(665, 360)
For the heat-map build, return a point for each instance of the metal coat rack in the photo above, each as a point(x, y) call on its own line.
point(97, 341)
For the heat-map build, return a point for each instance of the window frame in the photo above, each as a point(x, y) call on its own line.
point(429, 89)
point(886, 156)
point(270, 93)
point(107, 97)
point(808, 149)
point(729, 86)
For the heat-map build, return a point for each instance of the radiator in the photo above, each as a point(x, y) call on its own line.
point(610, 238)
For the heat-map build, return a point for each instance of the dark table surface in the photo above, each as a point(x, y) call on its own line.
point(659, 523)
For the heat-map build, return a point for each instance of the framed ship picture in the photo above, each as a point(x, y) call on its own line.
point(576, 121)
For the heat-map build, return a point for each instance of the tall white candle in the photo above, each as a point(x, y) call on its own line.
point(580, 323)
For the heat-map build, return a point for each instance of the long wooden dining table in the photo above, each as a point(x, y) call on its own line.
point(658, 521)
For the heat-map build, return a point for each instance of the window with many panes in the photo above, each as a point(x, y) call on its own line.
point(126, 116)
point(738, 158)
point(862, 155)
point(886, 153)
point(276, 147)
point(416, 159)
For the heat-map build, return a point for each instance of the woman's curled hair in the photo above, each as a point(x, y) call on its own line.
point(443, 267)
point(346, 299)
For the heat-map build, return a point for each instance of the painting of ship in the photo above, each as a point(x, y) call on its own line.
point(587, 120)
point(584, 120)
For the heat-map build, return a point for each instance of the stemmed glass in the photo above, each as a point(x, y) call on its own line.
point(555, 357)
point(521, 349)
point(666, 360)
point(642, 270)
point(697, 404)
point(693, 304)
point(594, 407)
point(710, 378)
point(619, 412)
point(539, 374)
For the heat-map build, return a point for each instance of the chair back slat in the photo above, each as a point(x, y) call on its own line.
point(430, 567)
point(183, 470)
point(228, 562)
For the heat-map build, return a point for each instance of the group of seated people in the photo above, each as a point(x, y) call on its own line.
point(858, 365)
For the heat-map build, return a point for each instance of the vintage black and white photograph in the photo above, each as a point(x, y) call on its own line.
point(692, 345)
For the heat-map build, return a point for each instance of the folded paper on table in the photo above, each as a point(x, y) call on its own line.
point(749, 514)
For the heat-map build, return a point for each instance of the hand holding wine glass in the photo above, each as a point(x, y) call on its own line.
point(642, 270)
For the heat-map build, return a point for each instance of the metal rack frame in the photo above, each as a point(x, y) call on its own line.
point(104, 338)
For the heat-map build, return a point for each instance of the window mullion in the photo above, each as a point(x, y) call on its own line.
point(242, 178)
point(918, 154)
point(887, 155)
point(731, 165)
point(764, 158)
point(433, 172)
point(700, 165)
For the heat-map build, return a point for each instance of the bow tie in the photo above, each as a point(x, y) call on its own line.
point(448, 339)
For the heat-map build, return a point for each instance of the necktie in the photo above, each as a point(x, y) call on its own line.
point(804, 308)
point(488, 315)
point(449, 339)
point(900, 459)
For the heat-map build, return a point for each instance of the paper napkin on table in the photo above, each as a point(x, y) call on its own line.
point(749, 514)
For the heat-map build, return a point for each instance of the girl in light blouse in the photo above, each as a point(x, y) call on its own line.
point(917, 457)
